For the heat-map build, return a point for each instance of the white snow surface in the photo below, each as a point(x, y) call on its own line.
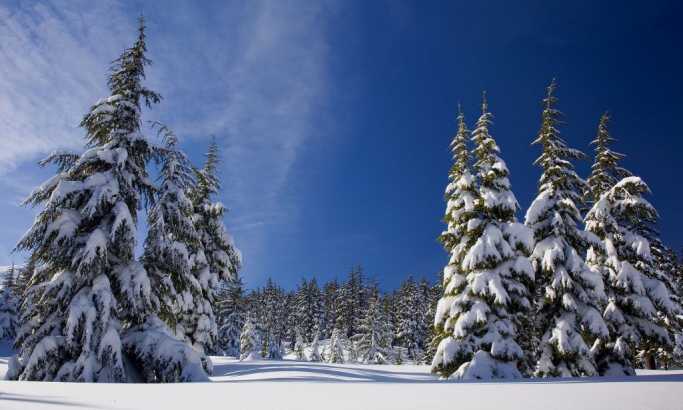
point(289, 384)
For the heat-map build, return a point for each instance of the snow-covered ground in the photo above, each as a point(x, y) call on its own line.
point(272, 385)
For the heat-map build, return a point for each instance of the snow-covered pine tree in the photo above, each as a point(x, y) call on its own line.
point(605, 172)
point(678, 276)
point(374, 337)
point(568, 312)
point(408, 331)
point(433, 334)
point(335, 351)
point(329, 315)
point(250, 344)
point(460, 207)
point(171, 240)
point(486, 282)
point(299, 346)
point(92, 302)
point(665, 263)
point(291, 323)
point(273, 321)
point(272, 347)
point(425, 318)
point(315, 348)
point(231, 313)
point(308, 307)
point(350, 302)
point(8, 306)
point(638, 299)
point(217, 258)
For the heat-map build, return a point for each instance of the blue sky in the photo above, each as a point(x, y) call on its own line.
point(334, 117)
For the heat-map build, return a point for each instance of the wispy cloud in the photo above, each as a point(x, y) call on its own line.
point(255, 82)
point(51, 70)
point(252, 74)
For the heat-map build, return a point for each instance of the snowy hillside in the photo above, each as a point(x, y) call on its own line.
point(259, 385)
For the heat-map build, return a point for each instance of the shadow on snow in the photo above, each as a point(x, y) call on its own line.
point(328, 373)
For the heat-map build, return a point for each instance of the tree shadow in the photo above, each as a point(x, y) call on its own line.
point(328, 373)
point(317, 373)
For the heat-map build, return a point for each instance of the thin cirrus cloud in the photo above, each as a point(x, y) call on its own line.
point(253, 75)
point(50, 72)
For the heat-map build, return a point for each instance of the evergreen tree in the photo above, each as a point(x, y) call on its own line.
point(273, 320)
point(217, 257)
point(568, 312)
point(329, 316)
point(249, 342)
point(308, 307)
point(290, 319)
point(272, 347)
point(605, 172)
point(638, 299)
point(231, 315)
point(426, 303)
point(409, 313)
point(350, 302)
point(91, 302)
point(335, 353)
point(299, 346)
point(315, 348)
point(374, 339)
point(170, 241)
point(460, 208)
point(8, 306)
point(487, 279)
point(434, 333)
point(665, 263)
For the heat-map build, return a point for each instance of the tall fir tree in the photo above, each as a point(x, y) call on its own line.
point(91, 301)
point(409, 311)
point(273, 320)
point(351, 302)
point(308, 306)
point(171, 240)
point(250, 343)
point(425, 318)
point(570, 293)
point(434, 333)
point(605, 172)
point(8, 305)
point(639, 300)
point(216, 258)
point(665, 263)
point(299, 346)
point(461, 196)
point(487, 291)
point(231, 314)
point(374, 337)
point(335, 350)
point(329, 316)
point(315, 355)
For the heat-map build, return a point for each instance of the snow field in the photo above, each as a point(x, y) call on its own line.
point(288, 384)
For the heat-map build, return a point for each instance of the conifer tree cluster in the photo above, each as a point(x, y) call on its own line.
point(570, 294)
point(593, 295)
point(298, 321)
point(90, 309)
point(487, 280)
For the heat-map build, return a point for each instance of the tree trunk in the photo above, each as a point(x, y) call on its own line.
point(649, 361)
